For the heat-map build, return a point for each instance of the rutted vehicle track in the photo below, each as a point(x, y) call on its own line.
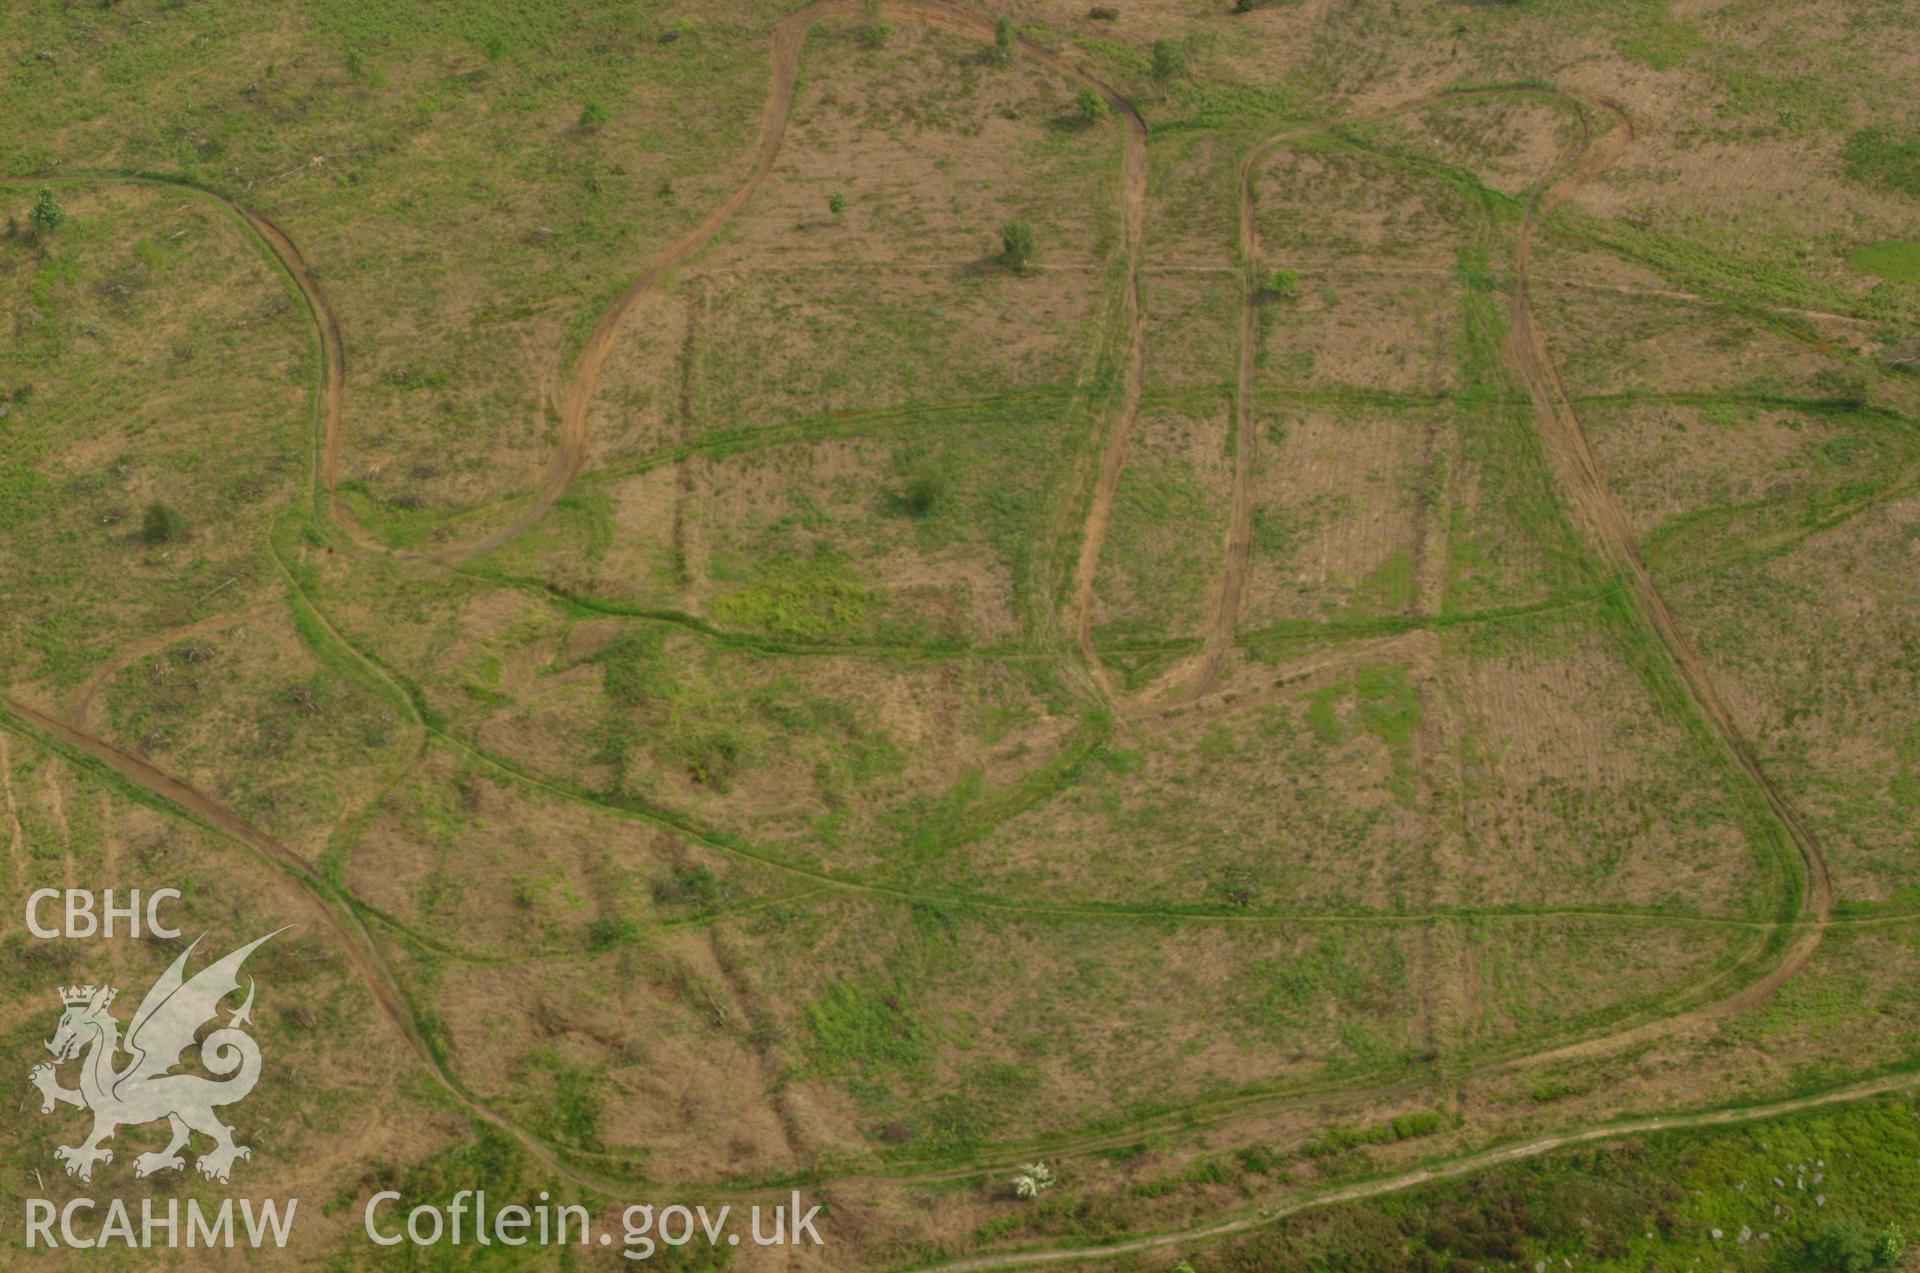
point(1184, 683)
point(572, 440)
point(334, 912)
point(569, 459)
point(1528, 355)
point(1192, 678)
point(1462, 1166)
point(1580, 469)
point(1526, 351)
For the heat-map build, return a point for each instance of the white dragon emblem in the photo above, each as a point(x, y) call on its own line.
point(143, 1089)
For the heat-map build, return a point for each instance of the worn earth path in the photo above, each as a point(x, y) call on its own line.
point(1579, 469)
point(1462, 1166)
point(1527, 352)
point(569, 458)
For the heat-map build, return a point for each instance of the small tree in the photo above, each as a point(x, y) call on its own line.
point(594, 115)
point(1003, 40)
point(162, 524)
point(875, 32)
point(46, 215)
point(1018, 248)
point(836, 203)
point(1169, 60)
point(1842, 1246)
point(920, 496)
point(1092, 103)
point(1282, 285)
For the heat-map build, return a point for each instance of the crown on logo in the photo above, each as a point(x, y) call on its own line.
point(77, 996)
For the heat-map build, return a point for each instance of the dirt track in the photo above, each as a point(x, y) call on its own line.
point(568, 461)
point(1187, 682)
point(1579, 469)
point(572, 436)
point(1458, 1167)
point(331, 910)
point(127, 656)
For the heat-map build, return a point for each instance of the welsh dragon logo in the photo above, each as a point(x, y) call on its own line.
point(143, 1089)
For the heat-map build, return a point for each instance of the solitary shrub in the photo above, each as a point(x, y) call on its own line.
point(1003, 40)
point(836, 203)
point(919, 497)
point(1843, 386)
point(875, 32)
point(1018, 248)
point(1282, 285)
point(594, 115)
point(711, 759)
point(690, 885)
point(1169, 60)
point(161, 524)
point(1104, 13)
point(1092, 104)
point(1842, 1246)
point(605, 934)
point(46, 215)
point(1879, 157)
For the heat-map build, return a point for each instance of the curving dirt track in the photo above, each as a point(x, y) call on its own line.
point(1462, 1166)
point(332, 911)
point(572, 436)
point(1188, 680)
point(1526, 351)
point(333, 345)
point(568, 461)
point(127, 656)
point(1184, 684)
point(1580, 470)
